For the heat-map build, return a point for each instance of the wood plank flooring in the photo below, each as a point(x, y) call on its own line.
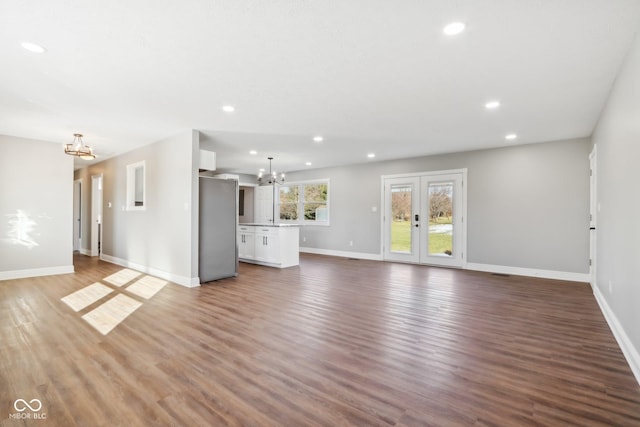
point(332, 342)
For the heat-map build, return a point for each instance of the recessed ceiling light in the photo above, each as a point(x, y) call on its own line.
point(253, 152)
point(228, 109)
point(308, 163)
point(511, 136)
point(32, 47)
point(453, 28)
point(318, 138)
point(371, 155)
point(492, 105)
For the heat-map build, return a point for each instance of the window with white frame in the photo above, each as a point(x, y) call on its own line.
point(304, 202)
point(289, 200)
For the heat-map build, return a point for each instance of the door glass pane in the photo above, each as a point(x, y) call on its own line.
point(441, 218)
point(401, 218)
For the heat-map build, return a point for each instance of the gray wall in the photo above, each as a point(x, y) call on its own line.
point(37, 179)
point(162, 238)
point(617, 137)
point(528, 205)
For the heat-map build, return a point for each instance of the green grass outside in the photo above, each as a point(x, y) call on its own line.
point(401, 237)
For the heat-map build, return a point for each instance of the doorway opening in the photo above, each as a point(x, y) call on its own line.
point(96, 215)
point(246, 196)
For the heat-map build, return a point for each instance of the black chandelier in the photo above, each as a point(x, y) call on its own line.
point(272, 178)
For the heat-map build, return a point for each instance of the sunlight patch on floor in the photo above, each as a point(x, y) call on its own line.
point(111, 313)
point(122, 277)
point(86, 296)
point(147, 287)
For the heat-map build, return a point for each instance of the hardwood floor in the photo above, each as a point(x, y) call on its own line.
point(332, 342)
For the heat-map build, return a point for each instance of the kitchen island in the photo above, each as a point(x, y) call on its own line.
point(273, 245)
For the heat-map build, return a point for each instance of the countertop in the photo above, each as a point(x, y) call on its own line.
point(268, 225)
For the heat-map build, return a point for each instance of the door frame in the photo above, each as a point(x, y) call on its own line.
point(463, 208)
point(593, 214)
point(77, 215)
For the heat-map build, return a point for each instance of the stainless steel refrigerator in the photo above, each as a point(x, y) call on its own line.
point(218, 257)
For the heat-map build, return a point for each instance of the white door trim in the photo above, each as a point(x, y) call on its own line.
point(77, 214)
point(593, 212)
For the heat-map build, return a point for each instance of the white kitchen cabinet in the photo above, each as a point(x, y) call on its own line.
point(267, 245)
point(246, 242)
point(274, 245)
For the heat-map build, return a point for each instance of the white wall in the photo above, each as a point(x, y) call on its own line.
point(36, 208)
point(617, 137)
point(162, 239)
point(528, 206)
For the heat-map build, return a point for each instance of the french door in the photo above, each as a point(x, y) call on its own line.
point(424, 218)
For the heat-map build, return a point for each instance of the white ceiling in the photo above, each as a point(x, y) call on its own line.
point(368, 75)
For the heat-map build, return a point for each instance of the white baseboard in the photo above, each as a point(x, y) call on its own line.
point(344, 254)
point(530, 272)
point(630, 352)
point(36, 272)
point(85, 251)
point(189, 282)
